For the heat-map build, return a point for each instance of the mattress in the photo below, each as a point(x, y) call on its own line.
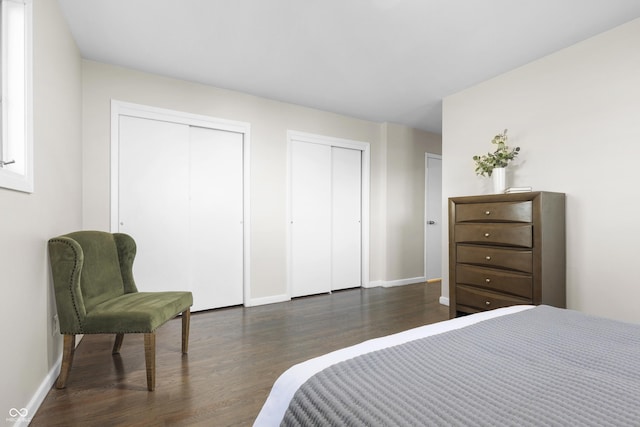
point(520, 366)
point(283, 390)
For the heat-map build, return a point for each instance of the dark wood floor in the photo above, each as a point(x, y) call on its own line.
point(235, 355)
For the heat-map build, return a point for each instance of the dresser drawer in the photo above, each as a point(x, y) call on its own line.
point(497, 211)
point(520, 235)
point(478, 299)
point(513, 259)
point(498, 280)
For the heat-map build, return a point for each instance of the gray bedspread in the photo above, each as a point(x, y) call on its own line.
point(540, 367)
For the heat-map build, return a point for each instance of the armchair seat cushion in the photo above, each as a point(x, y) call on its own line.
point(138, 312)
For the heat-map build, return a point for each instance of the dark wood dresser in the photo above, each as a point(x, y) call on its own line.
point(506, 249)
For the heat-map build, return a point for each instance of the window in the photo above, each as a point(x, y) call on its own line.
point(16, 150)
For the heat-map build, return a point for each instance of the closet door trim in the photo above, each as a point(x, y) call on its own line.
point(364, 147)
point(121, 108)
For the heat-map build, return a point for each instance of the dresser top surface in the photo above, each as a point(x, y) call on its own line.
point(513, 197)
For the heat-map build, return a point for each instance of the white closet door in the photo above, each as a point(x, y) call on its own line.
point(181, 198)
point(346, 218)
point(433, 229)
point(153, 203)
point(216, 229)
point(311, 218)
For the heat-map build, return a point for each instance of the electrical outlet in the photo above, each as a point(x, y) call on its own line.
point(55, 326)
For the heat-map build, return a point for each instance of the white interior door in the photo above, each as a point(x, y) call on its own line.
point(433, 228)
point(310, 218)
point(216, 218)
point(180, 196)
point(153, 203)
point(346, 212)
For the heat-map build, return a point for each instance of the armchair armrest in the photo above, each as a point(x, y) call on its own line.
point(126, 254)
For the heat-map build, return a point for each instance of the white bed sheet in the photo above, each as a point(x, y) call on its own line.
point(288, 383)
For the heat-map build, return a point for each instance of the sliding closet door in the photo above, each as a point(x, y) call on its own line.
point(153, 203)
point(310, 218)
point(326, 206)
point(346, 218)
point(216, 229)
point(181, 199)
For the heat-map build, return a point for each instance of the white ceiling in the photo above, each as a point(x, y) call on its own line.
point(380, 60)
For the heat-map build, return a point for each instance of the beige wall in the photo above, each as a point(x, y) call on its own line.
point(269, 122)
point(27, 221)
point(575, 115)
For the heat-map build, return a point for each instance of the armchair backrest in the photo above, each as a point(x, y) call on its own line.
point(89, 268)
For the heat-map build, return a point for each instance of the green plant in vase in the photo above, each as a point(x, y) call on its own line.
point(500, 158)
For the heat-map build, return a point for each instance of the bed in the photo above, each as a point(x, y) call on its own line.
point(519, 365)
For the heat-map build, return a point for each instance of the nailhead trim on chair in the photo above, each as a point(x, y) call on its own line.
point(125, 332)
point(75, 268)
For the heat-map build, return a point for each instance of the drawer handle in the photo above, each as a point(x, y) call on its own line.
point(487, 302)
point(487, 212)
point(488, 258)
point(487, 234)
point(487, 280)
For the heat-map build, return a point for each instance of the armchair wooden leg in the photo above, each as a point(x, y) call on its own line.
point(117, 343)
point(150, 359)
point(186, 320)
point(69, 347)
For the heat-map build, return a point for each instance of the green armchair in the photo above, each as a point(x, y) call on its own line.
point(96, 294)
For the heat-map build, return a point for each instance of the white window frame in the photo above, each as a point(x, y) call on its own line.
point(16, 148)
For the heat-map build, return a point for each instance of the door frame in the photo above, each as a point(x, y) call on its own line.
point(121, 108)
point(426, 204)
point(365, 149)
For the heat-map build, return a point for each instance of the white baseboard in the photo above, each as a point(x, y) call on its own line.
point(444, 301)
point(373, 284)
point(402, 282)
point(39, 396)
point(392, 283)
point(268, 300)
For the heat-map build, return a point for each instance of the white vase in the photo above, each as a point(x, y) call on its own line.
point(499, 178)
